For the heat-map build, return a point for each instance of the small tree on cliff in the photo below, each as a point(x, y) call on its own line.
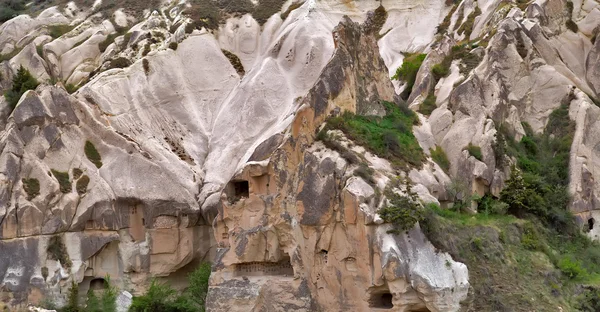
point(403, 211)
point(22, 82)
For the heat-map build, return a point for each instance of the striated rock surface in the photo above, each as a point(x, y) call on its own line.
point(177, 145)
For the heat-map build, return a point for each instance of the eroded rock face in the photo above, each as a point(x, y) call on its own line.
point(312, 230)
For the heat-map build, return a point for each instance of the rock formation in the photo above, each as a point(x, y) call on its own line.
point(177, 144)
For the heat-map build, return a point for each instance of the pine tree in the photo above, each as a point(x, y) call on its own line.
point(22, 82)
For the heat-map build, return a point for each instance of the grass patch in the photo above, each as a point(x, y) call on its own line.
point(390, 136)
point(439, 156)
point(92, 154)
point(428, 105)
point(408, 71)
point(445, 24)
point(235, 62)
point(82, 184)
point(71, 88)
point(55, 31)
point(31, 187)
point(467, 27)
point(333, 144)
point(10, 9)
point(474, 151)
point(63, 180)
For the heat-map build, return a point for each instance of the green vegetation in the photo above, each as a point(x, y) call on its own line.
point(443, 27)
point(291, 8)
point(408, 71)
point(439, 156)
point(571, 25)
point(119, 62)
point(333, 143)
point(173, 45)
point(77, 173)
point(146, 66)
point(402, 211)
point(56, 31)
point(389, 136)
point(459, 52)
point(266, 9)
point(366, 173)
point(428, 105)
point(71, 88)
point(63, 181)
point(58, 251)
point(22, 82)
point(467, 27)
point(82, 184)
point(39, 49)
point(204, 13)
point(106, 302)
point(235, 62)
point(10, 9)
point(31, 187)
point(92, 154)
point(474, 151)
point(161, 297)
point(535, 258)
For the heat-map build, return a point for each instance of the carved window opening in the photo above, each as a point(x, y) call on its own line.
point(98, 284)
point(237, 190)
point(381, 300)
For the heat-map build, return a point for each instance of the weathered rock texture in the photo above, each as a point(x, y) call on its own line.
point(167, 155)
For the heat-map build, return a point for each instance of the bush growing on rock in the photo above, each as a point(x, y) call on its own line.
point(474, 151)
point(402, 211)
point(439, 156)
point(163, 298)
point(408, 71)
point(92, 154)
point(428, 105)
point(31, 187)
point(22, 82)
point(10, 9)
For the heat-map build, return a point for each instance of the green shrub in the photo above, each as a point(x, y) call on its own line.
point(572, 26)
point(366, 173)
point(39, 49)
point(292, 7)
point(440, 70)
point(22, 82)
point(56, 31)
point(92, 154)
point(161, 297)
point(235, 62)
point(146, 66)
point(389, 136)
point(489, 205)
point(82, 184)
point(409, 69)
point(439, 156)
point(428, 105)
point(173, 45)
point(10, 9)
point(204, 13)
point(77, 173)
point(63, 180)
point(443, 27)
point(403, 211)
point(71, 88)
point(571, 268)
point(119, 62)
point(589, 300)
point(474, 151)
point(467, 27)
point(58, 251)
point(265, 9)
point(31, 187)
point(107, 301)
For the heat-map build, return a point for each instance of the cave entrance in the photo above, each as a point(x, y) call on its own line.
point(381, 300)
point(591, 222)
point(237, 190)
point(98, 284)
